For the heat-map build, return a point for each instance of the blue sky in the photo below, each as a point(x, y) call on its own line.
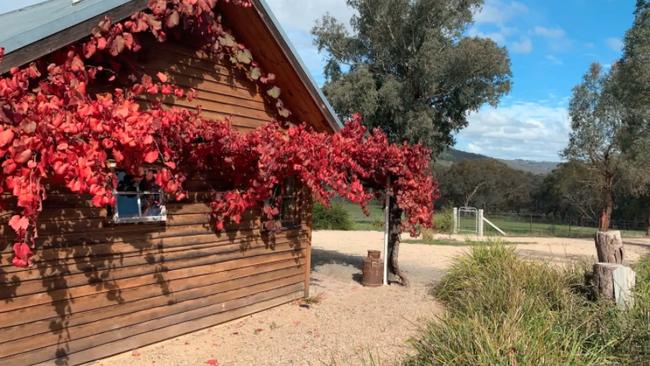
point(551, 44)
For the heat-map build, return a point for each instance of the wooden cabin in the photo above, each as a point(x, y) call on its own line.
point(102, 286)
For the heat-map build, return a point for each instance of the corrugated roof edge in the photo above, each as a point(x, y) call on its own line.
point(281, 37)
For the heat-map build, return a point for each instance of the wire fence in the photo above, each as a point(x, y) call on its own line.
point(544, 225)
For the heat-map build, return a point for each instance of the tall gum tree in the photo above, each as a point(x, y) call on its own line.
point(597, 127)
point(634, 94)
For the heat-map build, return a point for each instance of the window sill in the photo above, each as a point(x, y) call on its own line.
point(140, 220)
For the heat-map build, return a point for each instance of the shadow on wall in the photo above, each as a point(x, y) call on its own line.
point(87, 265)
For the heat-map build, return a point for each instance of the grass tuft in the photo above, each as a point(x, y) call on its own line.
point(503, 310)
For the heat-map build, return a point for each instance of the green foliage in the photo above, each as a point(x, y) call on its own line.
point(569, 192)
point(444, 221)
point(506, 311)
point(408, 67)
point(633, 79)
point(596, 137)
point(333, 218)
point(488, 184)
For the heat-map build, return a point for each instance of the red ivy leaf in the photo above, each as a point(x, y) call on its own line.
point(173, 19)
point(22, 255)
point(162, 77)
point(19, 223)
point(23, 156)
point(151, 156)
point(101, 43)
point(274, 92)
point(117, 46)
point(6, 137)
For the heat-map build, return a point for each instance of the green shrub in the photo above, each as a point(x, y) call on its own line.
point(502, 310)
point(444, 221)
point(333, 218)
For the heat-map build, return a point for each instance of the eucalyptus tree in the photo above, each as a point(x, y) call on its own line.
point(410, 69)
point(596, 138)
point(634, 93)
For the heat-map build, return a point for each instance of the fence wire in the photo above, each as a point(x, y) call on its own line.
point(543, 225)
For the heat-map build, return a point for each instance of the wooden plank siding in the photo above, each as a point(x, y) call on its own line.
point(220, 91)
point(98, 288)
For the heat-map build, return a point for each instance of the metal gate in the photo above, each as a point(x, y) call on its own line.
point(467, 220)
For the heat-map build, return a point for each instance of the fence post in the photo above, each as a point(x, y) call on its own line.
point(480, 223)
point(455, 231)
point(531, 224)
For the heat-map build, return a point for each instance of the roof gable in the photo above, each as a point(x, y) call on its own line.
point(38, 30)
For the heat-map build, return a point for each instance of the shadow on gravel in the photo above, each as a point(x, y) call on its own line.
point(321, 257)
point(336, 264)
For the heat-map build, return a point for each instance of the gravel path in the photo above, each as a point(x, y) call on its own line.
point(350, 324)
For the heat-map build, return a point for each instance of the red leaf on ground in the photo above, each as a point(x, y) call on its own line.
point(212, 362)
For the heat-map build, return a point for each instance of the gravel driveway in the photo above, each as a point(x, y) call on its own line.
point(350, 324)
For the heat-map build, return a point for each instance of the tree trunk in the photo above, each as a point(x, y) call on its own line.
point(604, 279)
point(394, 231)
point(609, 246)
point(608, 199)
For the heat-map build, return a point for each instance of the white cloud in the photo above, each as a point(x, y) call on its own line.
point(549, 32)
point(615, 43)
point(554, 60)
point(499, 12)
point(297, 19)
point(557, 38)
point(497, 36)
point(524, 130)
point(525, 45)
point(301, 15)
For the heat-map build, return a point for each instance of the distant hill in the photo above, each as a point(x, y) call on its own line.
point(536, 167)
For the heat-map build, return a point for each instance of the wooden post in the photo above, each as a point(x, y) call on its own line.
point(609, 246)
point(612, 279)
point(455, 231)
point(615, 282)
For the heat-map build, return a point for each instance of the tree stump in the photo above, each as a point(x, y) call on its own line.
point(615, 282)
point(609, 246)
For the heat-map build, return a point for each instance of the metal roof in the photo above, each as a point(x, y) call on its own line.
point(27, 26)
point(31, 24)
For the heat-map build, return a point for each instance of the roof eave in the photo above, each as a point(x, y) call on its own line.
point(296, 62)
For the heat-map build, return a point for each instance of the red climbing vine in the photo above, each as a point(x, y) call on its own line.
point(55, 131)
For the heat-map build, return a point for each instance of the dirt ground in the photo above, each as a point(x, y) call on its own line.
point(350, 324)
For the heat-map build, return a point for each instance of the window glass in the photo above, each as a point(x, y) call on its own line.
point(139, 198)
point(290, 210)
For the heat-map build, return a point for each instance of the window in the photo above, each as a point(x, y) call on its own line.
point(139, 198)
point(289, 207)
